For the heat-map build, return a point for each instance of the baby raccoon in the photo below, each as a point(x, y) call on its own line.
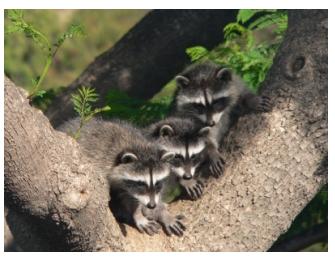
point(187, 138)
point(136, 169)
point(216, 96)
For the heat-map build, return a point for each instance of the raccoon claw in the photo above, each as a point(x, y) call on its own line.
point(175, 226)
point(216, 166)
point(177, 229)
point(264, 104)
point(150, 227)
point(194, 188)
point(197, 190)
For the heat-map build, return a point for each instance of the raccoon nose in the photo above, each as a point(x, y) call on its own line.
point(187, 176)
point(151, 205)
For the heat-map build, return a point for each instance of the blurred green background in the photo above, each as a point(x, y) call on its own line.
point(24, 59)
point(249, 47)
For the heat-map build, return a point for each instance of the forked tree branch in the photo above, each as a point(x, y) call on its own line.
point(276, 163)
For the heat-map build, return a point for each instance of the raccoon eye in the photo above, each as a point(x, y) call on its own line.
point(158, 186)
point(141, 188)
point(220, 104)
point(199, 108)
point(136, 186)
point(179, 157)
point(177, 160)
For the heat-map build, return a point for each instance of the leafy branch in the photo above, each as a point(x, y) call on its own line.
point(82, 103)
point(18, 24)
point(241, 50)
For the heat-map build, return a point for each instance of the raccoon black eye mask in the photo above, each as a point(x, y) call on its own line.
point(136, 169)
point(216, 96)
point(187, 139)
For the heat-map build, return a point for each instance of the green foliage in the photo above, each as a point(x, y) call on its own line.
point(138, 111)
point(83, 99)
point(18, 24)
point(82, 103)
point(75, 30)
point(43, 100)
point(250, 54)
point(249, 47)
point(278, 18)
point(245, 15)
point(196, 53)
point(243, 50)
point(23, 57)
point(316, 212)
point(172, 194)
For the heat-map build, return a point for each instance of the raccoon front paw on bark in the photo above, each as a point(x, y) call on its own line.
point(264, 104)
point(150, 227)
point(194, 188)
point(216, 165)
point(174, 225)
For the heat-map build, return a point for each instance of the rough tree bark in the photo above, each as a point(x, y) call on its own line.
point(276, 163)
point(148, 56)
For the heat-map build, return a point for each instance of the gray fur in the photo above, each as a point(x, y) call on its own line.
point(216, 83)
point(137, 171)
point(217, 97)
point(187, 138)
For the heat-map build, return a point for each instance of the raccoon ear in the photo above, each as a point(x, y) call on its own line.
point(224, 74)
point(128, 158)
point(204, 131)
point(166, 130)
point(167, 156)
point(182, 81)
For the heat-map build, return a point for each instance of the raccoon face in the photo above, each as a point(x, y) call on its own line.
point(143, 174)
point(204, 93)
point(188, 149)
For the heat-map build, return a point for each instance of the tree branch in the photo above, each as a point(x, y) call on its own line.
point(318, 233)
point(148, 56)
point(275, 166)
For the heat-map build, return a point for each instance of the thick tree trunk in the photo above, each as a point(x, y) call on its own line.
point(276, 163)
point(148, 56)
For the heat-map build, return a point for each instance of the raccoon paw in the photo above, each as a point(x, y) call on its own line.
point(194, 188)
point(174, 225)
point(264, 104)
point(150, 227)
point(216, 166)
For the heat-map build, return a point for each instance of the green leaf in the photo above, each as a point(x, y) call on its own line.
point(14, 14)
point(245, 14)
point(196, 53)
point(275, 18)
point(40, 93)
point(75, 30)
point(103, 109)
point(35, 81)
point(13, 29)
point(232, 30)
point(18, 24)
point(172, 194)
